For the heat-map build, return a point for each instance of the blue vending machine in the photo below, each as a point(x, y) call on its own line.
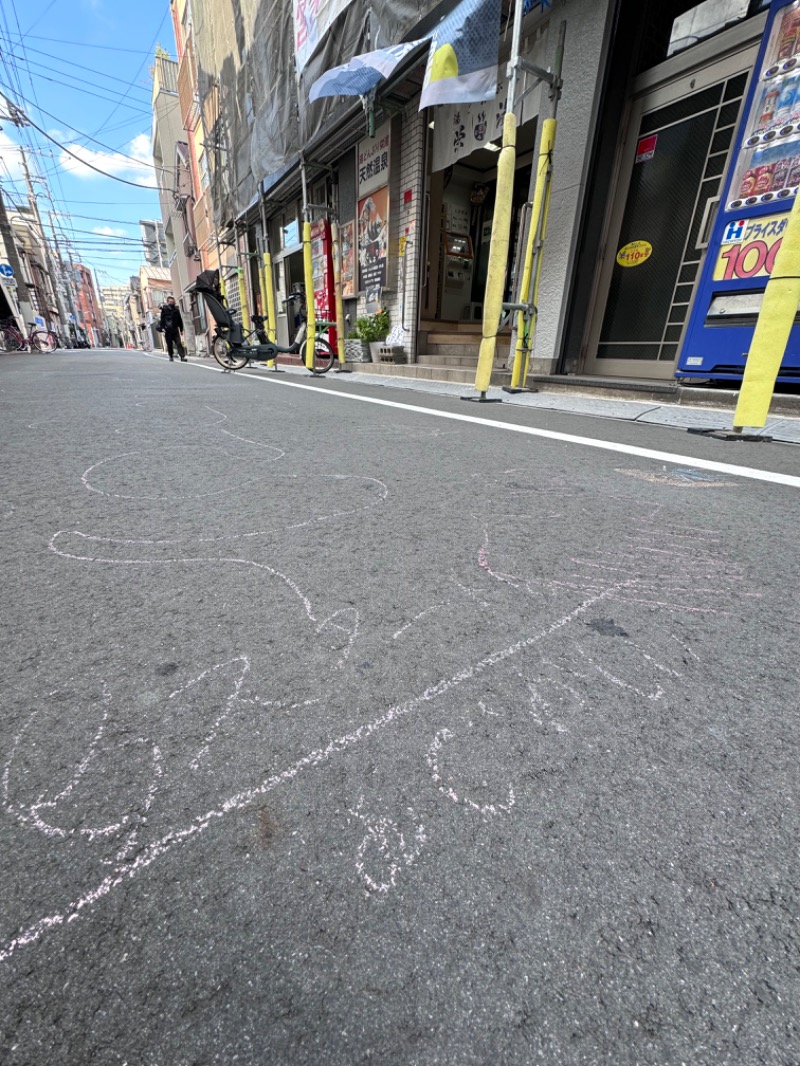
point(759, 192)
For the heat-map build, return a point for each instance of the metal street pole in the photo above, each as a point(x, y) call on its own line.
point(62, 312)
point(14, 262)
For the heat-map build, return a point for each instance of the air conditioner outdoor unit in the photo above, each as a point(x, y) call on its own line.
point(189, 247)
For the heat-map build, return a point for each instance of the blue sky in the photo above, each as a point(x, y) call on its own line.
point(80, 70)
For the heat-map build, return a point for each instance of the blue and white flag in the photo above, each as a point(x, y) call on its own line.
point(362, 73)
point(462, 62)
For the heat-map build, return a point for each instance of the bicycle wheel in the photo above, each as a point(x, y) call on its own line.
point(42, 340)
point(324, 357)
point(227, 357)
point(11, 340)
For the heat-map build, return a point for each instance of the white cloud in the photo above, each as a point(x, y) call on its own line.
point(109, 231)
point(136, 164)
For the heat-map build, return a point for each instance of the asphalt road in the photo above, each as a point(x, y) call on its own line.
point(337, 732)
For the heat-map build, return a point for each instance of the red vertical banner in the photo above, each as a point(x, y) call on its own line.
point(322, 271)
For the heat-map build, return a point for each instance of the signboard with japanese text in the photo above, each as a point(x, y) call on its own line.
point(372, 162)
point(373, 243)
point(749, 247)
point(459, 129)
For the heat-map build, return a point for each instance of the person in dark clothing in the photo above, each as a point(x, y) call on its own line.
point(171, 325)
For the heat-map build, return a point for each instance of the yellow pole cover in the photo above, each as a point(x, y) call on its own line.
point(262, 285)
point(775, 321)
point(539, 209)
point(337, 289)
point(243, 300)
point(308, 274)
point(269, 306)
point(498, 253)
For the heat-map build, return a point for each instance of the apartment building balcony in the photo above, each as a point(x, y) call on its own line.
point(187, 89)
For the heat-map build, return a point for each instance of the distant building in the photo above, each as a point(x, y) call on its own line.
point(155, 285)
point(89, 311)
point(114, 299)
point(154, 242)
point(171, 158)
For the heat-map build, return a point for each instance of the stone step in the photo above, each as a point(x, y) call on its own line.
point(453, 374)
point(450, 327)
point(451, 359)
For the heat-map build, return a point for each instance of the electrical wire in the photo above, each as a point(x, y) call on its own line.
point(46, 66)
point(85, 44)
point(138, 72)
point(91, 166)
point(139, 162)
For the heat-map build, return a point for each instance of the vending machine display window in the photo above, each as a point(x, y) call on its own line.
point(768, 168)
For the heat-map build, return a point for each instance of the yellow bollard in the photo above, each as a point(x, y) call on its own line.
point(308, 273)
point(775, 321)
point(269, 286)
point(243, 299)
point(337, 289)
point(536, 233)
point(262, 285)
point(498, 253)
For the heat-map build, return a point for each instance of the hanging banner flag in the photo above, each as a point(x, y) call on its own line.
point(462, 62)
point(362, 73)
point(312, 20)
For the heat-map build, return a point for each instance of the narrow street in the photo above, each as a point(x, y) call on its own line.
point(343, 724)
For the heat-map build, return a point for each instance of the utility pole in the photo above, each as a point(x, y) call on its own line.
point(56, 290)
point(107, 326)
point(25, 309)
point(19, 120)
point(66, 278)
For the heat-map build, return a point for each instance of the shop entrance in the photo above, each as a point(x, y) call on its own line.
point(462, 199)
point(672, 164)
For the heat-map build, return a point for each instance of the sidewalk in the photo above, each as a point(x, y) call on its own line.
point(717, 415)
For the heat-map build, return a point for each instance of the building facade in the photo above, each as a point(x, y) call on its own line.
point(113, 298)
point(90, 315)
point(175, 192)
point(652, 97)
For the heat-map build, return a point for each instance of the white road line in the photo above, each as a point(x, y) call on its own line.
point(789, 480)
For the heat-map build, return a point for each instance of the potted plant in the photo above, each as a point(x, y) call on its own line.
point(374, 329)
point(356, 350)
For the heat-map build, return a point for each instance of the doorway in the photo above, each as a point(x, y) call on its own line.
point(672, 165)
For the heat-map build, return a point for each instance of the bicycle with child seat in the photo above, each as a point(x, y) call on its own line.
point(38, 340)
point(232, 356)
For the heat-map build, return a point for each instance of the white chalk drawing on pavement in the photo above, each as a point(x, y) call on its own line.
point(386, 849)
point(444, 782)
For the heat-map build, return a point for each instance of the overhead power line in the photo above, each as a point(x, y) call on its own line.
point(84, 162)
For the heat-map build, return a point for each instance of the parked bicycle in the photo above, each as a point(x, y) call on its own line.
point(233, 349)
point(38, 340)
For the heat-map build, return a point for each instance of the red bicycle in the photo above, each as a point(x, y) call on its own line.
point(38, 340)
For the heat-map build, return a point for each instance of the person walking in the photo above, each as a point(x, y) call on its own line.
point(171, 325)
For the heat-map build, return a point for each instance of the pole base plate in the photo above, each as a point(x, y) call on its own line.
point(483, 398)
point(514, 391)
point(342, 370)
point(726, 434)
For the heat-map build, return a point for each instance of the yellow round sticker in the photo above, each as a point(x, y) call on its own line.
point(634, 254)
